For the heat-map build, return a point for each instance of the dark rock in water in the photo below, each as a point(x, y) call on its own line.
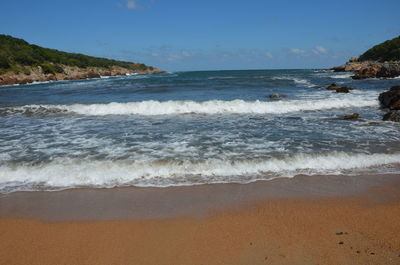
point(342, 89)
point(353, 116)
point(339, 89)
point(275, 96)
point(392, 115)
point(395, 88)
point(332, 86)
point(373, 123)
point(391, 99)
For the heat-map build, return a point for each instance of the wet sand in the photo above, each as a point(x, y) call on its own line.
point(305, 220)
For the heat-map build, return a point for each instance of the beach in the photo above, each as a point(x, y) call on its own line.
point(304, 220)
point(208, 167)
point(199, 133)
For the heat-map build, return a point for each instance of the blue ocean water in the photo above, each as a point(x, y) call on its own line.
point(188, 128)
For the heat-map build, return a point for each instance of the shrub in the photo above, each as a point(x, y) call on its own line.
point(15, 51)
point(48, 68)
point(386, 51)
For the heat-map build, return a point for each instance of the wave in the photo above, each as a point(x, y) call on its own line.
point(221, 77)
point(341, 76)
point(297, 81)
point(68, 173)
point(153, 107)
point(303, 82)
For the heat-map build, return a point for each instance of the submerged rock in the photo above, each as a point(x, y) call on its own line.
point(339, 89)
point(276, 96)
point(392, 115)
point(342, 90)
point(353, 116)
point(373, 123)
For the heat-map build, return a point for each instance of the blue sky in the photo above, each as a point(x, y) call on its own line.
point(207, 35)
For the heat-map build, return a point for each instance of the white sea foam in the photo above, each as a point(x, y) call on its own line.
point(342, 76)
point(153, 107)
point(66, 173)
point(297, 81)
point(303, 82)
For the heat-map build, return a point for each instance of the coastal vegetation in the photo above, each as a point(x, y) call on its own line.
point(17, 55)
point(384, 52)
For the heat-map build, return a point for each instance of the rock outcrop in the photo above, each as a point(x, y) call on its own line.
point(339, 89)
point(353, 116)
point(391, 100)
point(393, 115)
point(370, 69)
point(36, 74)
point(276, 96)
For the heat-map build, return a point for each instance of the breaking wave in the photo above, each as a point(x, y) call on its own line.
point(297, 81)
point(69, 173)
point(153, 107)
point(342, 76)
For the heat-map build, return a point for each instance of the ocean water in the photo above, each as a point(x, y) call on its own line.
point(188, 128)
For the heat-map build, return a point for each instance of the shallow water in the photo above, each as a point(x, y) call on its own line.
point(190, 128)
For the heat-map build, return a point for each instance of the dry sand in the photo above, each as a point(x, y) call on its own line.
point(276, 222)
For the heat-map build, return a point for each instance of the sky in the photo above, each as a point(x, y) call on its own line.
point(207, 35)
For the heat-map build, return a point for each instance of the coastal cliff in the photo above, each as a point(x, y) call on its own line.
point(370, 69)
point(37, 74)
point(22, 63)
point(381, 61)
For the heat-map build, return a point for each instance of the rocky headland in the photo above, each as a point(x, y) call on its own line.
point(23, 63)
point(370, 69)
point(381, 61)
point(37, 74)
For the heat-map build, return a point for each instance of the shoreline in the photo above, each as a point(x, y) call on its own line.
point(70, 73)
point(143, 203)
point(304, 220)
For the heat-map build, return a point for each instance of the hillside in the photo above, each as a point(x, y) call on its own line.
point(381, 61)
point(386, 51)
point(21, 62)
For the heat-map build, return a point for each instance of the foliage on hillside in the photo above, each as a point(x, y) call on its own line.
point(386, 51)
point(17, 53)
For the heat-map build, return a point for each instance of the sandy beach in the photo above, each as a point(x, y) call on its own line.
point(305, 220)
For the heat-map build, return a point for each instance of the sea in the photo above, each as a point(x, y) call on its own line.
point(190, 128)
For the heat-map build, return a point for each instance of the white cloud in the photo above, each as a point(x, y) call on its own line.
point(268, 55)
point(131, 4)
point(174, 56)
point(297, 51)
point(319, 50)
point(188, 53)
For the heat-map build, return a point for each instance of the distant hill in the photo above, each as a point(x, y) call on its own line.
point(386, 51)
point(21, 62)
